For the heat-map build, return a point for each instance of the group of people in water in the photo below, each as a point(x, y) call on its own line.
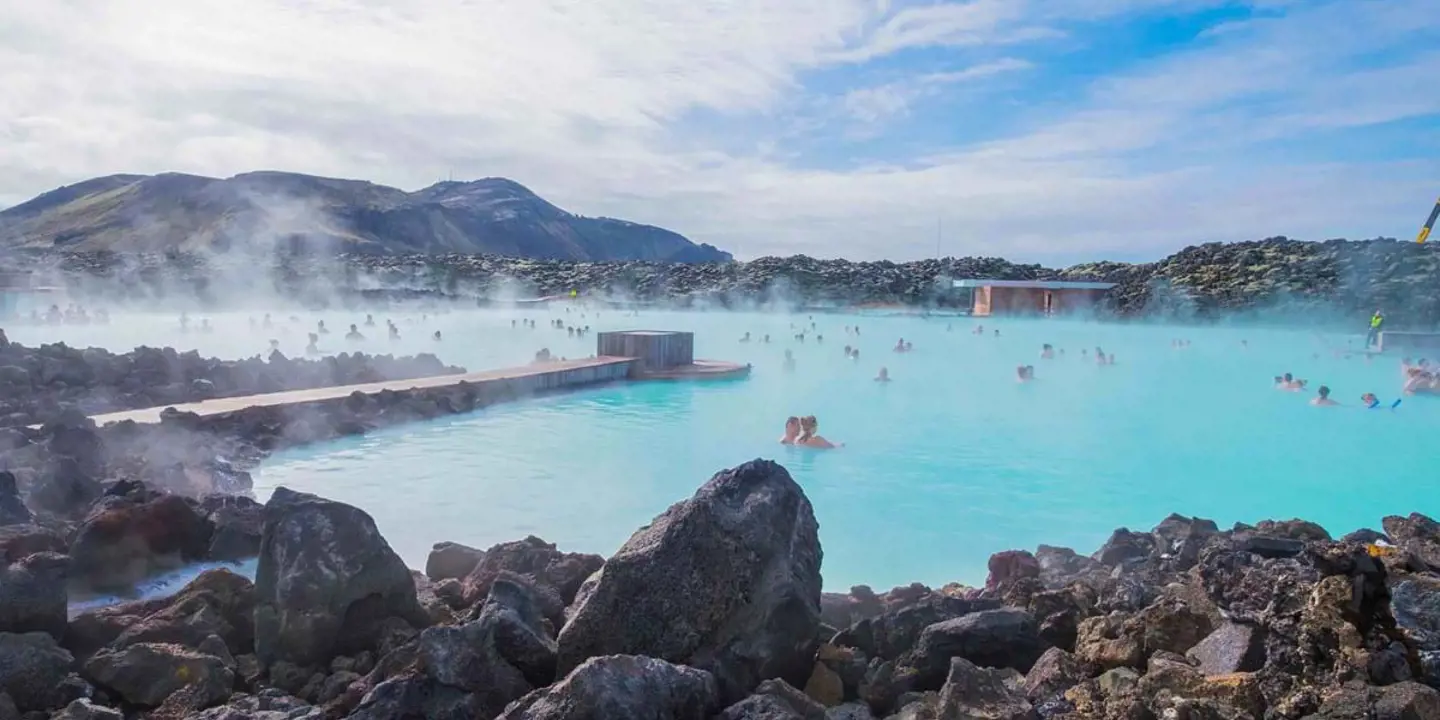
point(805, 432)
point(1418, 378)
point(73, 314)
point(1026, 373)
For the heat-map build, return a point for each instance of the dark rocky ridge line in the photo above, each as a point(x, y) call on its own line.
point(1277, 278)
point(294, 212)
point(38, 384)
point(714, 611)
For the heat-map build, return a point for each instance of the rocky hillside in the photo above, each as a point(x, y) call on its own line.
point(1336, 281)
point(291, 212)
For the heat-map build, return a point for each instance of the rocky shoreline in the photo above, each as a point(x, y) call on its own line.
point(38, 384)
point(1335, 281)
point(713, 610)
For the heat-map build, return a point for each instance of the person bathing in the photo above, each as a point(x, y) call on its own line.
point(810, 436)
point(792, 430)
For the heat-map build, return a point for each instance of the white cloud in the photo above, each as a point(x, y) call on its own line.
point(878, 103)
point(595, 104)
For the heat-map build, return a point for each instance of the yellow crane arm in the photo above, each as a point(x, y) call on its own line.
point(1429, 224)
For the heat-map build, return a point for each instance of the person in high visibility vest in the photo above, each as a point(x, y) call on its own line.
point(1376, 321)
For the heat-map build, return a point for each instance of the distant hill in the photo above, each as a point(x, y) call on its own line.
point(288, 211)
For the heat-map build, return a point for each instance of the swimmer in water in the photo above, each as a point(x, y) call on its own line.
point(792, 430)
point(745, 338)
point(370, 321)
point(809, 437)
point(313, 348)
point(354, 334)
point(883, 376)
point(1024, 373)
point(436, 336)
point(1047, 352)
point(789, 361)
point(1370, 401)
point(1322, 397)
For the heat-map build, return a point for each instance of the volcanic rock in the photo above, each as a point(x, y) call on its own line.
point(1415, 601)
point(894, 632)
point(492, 660)
point(84, 709)
point(18, 541)
point(121, 543)
point(33, 595)
point(12, 507)
point(728, 581)
point(216, 604)
point(450, 560)
point(1231, 648)
point(1004, 638)
point(775, 700)
point(326, 583)
point(623, 686)
point(970, 691)
point(1055, 672)
point(33, 671)
point(147, 674)
point(238, 523)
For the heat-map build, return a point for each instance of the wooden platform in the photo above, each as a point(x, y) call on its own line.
point(527, 379)
point(699, 370)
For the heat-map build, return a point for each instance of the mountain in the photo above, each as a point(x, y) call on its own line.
point(292, 212)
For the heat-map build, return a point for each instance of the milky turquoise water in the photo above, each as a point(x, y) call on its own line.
point(950, 462)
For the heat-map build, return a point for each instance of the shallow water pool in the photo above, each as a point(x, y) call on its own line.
point(950, 462)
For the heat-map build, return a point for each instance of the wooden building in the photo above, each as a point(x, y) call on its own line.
point(1031, 297)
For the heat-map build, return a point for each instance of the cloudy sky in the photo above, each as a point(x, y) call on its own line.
point(1051, 130)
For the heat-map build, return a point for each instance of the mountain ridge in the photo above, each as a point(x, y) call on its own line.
point(270, 209)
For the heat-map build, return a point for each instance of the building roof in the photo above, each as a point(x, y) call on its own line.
point(1033, 284)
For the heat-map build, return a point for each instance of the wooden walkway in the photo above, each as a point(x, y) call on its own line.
point(540, 376)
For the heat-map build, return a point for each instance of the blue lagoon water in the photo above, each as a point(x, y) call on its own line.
point(950, 462)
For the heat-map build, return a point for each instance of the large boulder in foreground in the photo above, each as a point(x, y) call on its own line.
point(34, 671)
point(147, 674)
point(727, 581)
point(327, 582)
point(622, 686)
point(33, 594)
point(122, 542)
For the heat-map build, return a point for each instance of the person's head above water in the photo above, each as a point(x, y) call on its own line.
point(792, 427)
point(1324, 391)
